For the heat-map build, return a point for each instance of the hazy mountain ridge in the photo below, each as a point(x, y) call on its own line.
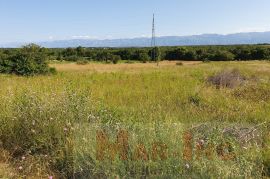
point(205, 39)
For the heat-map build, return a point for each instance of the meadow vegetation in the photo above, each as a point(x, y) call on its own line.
point(49, 124)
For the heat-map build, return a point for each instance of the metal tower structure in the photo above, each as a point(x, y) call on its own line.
point(153, 42)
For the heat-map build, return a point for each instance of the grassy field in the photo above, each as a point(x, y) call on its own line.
point(50, 122)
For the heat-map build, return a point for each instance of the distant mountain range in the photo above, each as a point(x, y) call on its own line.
point(205, 39)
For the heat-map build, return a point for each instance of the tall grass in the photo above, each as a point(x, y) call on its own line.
point(53, 121)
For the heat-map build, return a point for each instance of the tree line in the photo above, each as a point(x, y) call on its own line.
point(33, 59)
point(203, 53)
point(189, 53)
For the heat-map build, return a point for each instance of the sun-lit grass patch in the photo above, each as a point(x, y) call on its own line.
point(53, 120)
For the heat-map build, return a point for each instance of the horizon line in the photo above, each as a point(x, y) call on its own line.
point(86, 37)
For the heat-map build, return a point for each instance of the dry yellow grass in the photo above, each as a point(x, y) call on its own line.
point(6, 171)
point(124, 67)
point(9, 168)
point(263, 66)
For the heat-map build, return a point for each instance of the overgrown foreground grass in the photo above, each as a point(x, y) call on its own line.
point(153, 122)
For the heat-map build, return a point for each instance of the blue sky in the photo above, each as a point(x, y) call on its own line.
point(36, 20)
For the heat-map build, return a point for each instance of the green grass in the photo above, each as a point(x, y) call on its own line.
point(58, 116)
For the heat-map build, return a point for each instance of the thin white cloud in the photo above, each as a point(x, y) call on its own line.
point(84, 37)
point(253, 29)
point(145, 36)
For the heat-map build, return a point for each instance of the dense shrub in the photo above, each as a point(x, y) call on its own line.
point(125, 54)
point(104, 56)
point(80, 51)
point(69, 52)
point(141, 56)
point(115, 59)
point(221, 56)
point(5, 64)
point(180, 54)
point(242, 53)
point(29, 61)
point(260, 53)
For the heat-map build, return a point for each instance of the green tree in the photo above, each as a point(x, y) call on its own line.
point(116, 59)
point(144, 57)
point(221, 55)
point(69, 52)
point(260, 53)
point(242, 53)
point(80, 51)
point(125, 54)
point(32, 48)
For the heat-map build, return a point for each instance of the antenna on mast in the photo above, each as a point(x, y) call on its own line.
point(155, 50)
point(153, 41)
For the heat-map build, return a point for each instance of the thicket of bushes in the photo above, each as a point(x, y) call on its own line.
point(217, 53)
point(204, 53)
point(30, 60)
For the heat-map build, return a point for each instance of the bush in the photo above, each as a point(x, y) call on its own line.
point(179, 64)
point(206, 61)
point(242, 53)
point(260, 53)
point(5, 64)
point(180, 54)
point(27, 62)
point(115, 59)
point(59, 58)
point(24, 64)
point(227, 78)
point(141, 56)
point(221, 55)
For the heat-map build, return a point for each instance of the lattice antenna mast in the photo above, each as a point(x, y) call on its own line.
point(153, 42)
